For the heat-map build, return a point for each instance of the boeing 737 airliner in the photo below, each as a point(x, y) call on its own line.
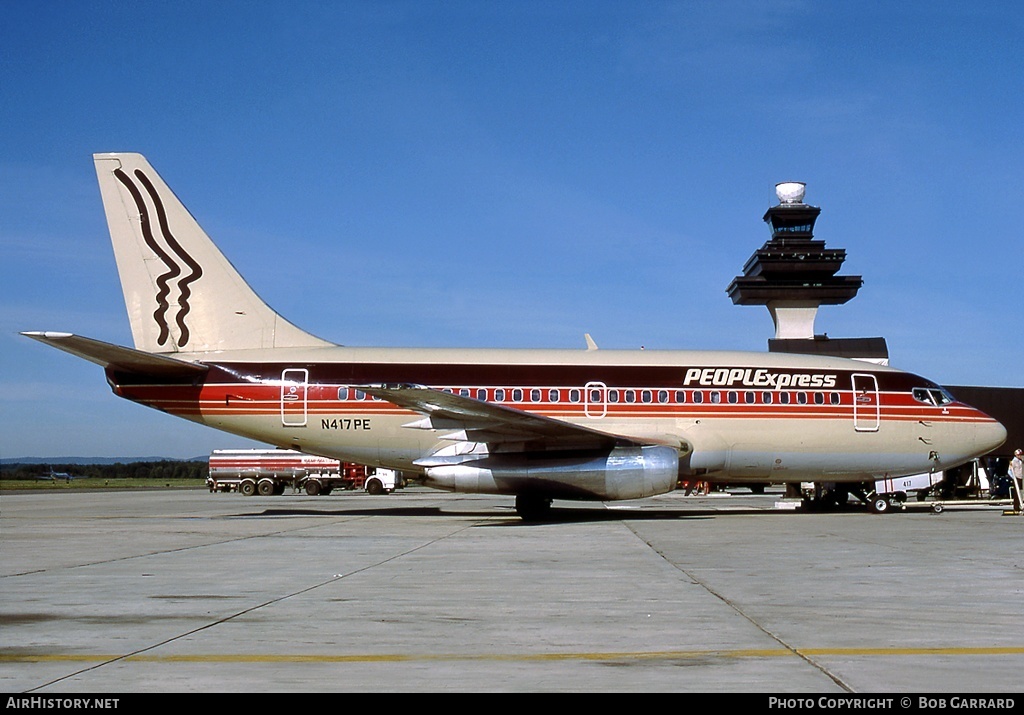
point(584, 424)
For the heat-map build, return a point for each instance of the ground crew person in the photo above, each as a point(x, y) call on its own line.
point(1017, 467)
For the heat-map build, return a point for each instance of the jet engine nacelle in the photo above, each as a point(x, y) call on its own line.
point(622, 473)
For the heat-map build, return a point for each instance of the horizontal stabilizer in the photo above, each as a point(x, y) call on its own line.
point(118, 357)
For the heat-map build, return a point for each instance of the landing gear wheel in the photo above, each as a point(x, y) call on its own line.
point(532, 508)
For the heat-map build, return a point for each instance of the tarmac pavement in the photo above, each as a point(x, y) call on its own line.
point(173, 591)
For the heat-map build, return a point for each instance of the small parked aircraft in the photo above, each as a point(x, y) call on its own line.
point(57, 476)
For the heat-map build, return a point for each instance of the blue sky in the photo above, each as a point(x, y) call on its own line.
point(511, 174)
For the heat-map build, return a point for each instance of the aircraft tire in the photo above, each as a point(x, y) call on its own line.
point(532, 508)
point(880, 505)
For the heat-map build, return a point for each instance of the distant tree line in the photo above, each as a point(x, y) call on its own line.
point(168, 469)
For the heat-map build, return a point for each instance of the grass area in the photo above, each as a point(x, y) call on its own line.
point(7, 485)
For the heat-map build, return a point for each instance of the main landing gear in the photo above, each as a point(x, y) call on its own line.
point(531, 507)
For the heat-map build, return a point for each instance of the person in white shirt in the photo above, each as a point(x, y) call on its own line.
point(1017, 466)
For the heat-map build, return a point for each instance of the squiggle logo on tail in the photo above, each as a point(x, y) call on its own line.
point(174, 267)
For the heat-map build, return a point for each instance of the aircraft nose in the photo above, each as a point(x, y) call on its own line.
point(988, 436)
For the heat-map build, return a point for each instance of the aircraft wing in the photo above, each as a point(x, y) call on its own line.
point(465, 419)
point(117, 357)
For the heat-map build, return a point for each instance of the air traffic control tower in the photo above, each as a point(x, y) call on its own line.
point(793, 275)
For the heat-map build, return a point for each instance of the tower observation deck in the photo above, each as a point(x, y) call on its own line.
point(793, 274)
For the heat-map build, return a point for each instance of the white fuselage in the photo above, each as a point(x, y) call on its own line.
point(730, 415)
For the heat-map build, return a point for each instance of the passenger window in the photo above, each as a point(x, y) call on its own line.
point(698, 395)
point(681, 396)
point(534, 395)
point(783, 398)
point(342, 393)
point(733, 397)
point(663, 396)
point(553, 396)
point(819, 398)
point(716, 396)
point(833, 397)
point(766, 398)
point(630, 395)
point(801, 397)
point(574, 395)
point(481, 394)
point(646, 396)
point(517, 395)
point(499, 395)
point(613, 395)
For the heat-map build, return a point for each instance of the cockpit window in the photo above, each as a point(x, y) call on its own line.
point(932, 396)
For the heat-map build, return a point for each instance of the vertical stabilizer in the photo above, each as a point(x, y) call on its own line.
point(182, 294)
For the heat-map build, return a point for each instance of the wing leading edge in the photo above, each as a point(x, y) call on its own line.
point(498, 449)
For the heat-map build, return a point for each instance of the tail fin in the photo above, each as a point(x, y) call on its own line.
point(182, 294)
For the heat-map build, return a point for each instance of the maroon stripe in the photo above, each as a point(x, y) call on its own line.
point(555, 376)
